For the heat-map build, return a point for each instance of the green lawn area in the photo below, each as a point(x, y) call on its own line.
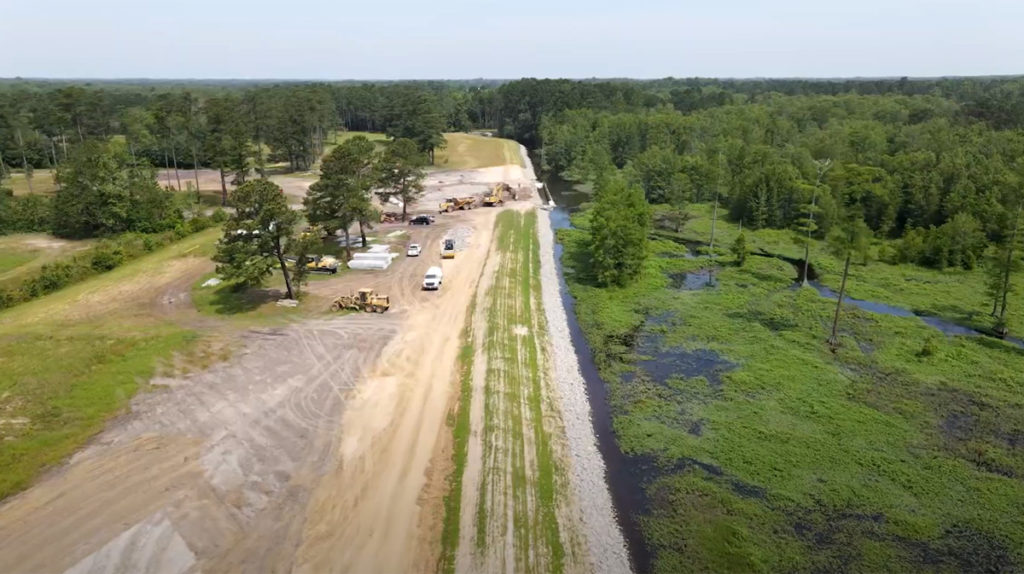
point(42, 182)
point(901, 452)
point(24, 253)
point(468, 151)
point(9, 261)
point(71, 360)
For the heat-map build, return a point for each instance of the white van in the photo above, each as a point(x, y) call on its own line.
point(432, 280)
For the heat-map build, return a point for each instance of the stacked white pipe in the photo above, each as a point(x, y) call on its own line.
point(378, 258)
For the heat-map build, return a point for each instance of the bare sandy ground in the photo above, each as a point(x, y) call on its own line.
point(314, 449)
point(294, 185)
point(308, 451)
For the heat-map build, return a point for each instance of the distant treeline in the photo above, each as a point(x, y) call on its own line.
point(39, 119)
point(911, 154)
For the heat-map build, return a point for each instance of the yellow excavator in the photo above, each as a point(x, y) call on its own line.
point(363, 300)
point(497, 195)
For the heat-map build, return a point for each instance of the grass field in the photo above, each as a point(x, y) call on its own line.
point(42, 182)
point(761, 451)
point(71, 360)
point(468, 151)
point(10, 261)
point(24, 253)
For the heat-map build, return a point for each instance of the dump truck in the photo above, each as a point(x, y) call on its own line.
point(448, 249)
point(363, 300)
point(497, 195)
point(452, 203)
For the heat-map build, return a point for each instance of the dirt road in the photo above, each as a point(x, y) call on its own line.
point(310, 450)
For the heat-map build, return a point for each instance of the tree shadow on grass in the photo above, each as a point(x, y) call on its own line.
point(234, 300)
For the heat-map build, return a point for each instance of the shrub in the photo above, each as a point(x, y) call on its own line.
point(55, 276)
point(8, 298)
point(105, 258)
point(219, 216)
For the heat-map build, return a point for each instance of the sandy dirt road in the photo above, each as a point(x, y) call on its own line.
point(310, 450)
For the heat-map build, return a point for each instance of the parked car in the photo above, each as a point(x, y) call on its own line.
point(413, 250)
point(421, 220)
point(432, 280)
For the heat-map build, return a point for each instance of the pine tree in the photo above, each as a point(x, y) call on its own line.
point(739, 249)
point(255, 236)
point(999, 270)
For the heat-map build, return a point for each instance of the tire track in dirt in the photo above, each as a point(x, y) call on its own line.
point(228, 455)
point(365, 515)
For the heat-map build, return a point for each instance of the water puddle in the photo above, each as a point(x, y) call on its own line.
point(661, 363)
point(693, 280)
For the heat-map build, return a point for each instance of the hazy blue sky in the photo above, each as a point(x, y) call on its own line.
point(485, 38)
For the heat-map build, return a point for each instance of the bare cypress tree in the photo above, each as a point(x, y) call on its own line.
point(174, 157)
point(24, 162)
point(851, 237)
point(714, 212)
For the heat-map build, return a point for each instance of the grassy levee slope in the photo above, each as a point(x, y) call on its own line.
point(904, 451)
point(470, 151)
point(71, 360)
point(515, 522)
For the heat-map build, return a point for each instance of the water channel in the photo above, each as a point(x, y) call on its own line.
point(623, 473)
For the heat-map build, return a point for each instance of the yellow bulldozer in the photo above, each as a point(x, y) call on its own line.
point(362, 300)
point(497, 195)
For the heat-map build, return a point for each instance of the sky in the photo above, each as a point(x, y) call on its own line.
point(449, 39)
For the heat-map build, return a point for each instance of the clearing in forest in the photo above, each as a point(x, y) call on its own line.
point(470, 151)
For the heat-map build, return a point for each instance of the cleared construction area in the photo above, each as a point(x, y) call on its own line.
point(324, 442)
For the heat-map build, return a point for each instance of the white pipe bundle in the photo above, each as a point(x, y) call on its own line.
point(371, 256)
point(375, 261)
point(369, 264)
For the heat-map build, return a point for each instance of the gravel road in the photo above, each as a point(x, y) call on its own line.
point(604, 539)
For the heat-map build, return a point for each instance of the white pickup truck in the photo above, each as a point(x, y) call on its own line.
point(432, 280)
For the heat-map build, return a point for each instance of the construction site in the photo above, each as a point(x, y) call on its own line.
point(327, 440)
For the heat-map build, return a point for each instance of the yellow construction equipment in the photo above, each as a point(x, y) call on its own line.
point(497, 195)
point(363, 300)
point(322, 263)
point(448, 249)
point(452, 203)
